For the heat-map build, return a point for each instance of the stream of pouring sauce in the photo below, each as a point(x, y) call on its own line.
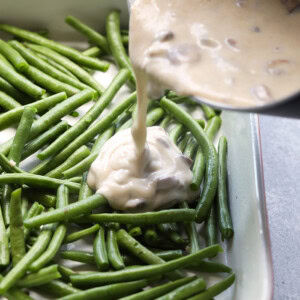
point(242, 52)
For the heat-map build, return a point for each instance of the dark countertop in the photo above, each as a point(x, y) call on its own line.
point(281, 161)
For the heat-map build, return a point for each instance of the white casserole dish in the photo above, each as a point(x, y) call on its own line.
point(249, 252)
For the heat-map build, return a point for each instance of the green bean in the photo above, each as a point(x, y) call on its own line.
point(62, 49)
point(154, 116)
point(224, 218)
point(13, 56)
point(47, 200)
point(191, 230)
point(77, 179)
point(88, 135)
point(9, 165)
point(14, 115)
point(115, 42)
point(208, 111)
point(148, 218)
point(71, 66)
point(10, 90)
point(66, 272)
point(75, 158)
point(183, 142)
point(114, 256)
point(38, 181)
point(160, 290)
point(167, 254)
point(215, 289)
point(88, 118)
point(99, 248)
point(58, 235)
point(171, 230)
point(211, 227)
point(21, 135)
point(201, 122)
point(176, 132)
point(191, 148)
point(133, 246)
point(213, 125)
point(165, 122)
point(35, 210)
point(4, 248)
point(44, 66)
point(7, 102)
point(35, 251)
point(70, 211)
point(187, 290)
point(17, 240)
point(211, 178)
point(58, 288)
point(79, 256)
point(49, 83)
point(135, 231)
point(151, 236)
point(92, 52)
point(85, 164)
point(79, 234)
point(57, 66)
point(43, 139)
point(85, 190)
point(144, 271)
point(7, 189)
point(24, 206)
point(4, 60)
point(198, 170)
point(41, 277)
point(125, 39)
point(93, 36)
point(20, 82)
point(209, 267)
point(111, 291)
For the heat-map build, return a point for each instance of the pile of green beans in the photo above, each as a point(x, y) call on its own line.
point(51, 206)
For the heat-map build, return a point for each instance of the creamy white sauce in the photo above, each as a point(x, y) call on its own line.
point(239, 52)
point(157, 178)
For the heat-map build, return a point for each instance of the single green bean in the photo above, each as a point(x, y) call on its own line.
point(85, 164)
point(198, 170)
point(99, 127)
point(85, 190)
point(148, 218)
point(201, 122)
point(176, 132)
point(79, 234)
point(100, 252)
point(93, 36)
point(7, 189)
point(108, 292)
point(191, 230)
point(224, 218)
point(49, 83)
point(10, 90)
point(38, 181)
point(66, 272)
point(187, 290)
point(62, 49)
point(125, 39)
point(208, 111)
point(144, 271)
point(71, 66)
point(20, 82)
point(115, 42)
point(151, 236)
point(4, 60)
point(165, 122)
point(57, 288)
point(9, 166)
point(211, 174)
point(44, 138)
point(215, 289)
point(79, 256)
point(7, 102)
point(13, 56)
point(213, 125)
point(4, 248)
point(209, 267)
point(160, 290)
point(191, 148)
point(58, 236)
point(41, 277)
point(88, 118)
point(35, 251)
point(14, 115)
point(70, 211)
point(44, 66)
point(211, 227)
point(17, 240)
point(154, 116)
point(24, 206)
point(75, 158)
point(135, 231)
point(133, 246)
point(22, 135)
point(114, 257)
point(183, 142)
point(92, 52)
